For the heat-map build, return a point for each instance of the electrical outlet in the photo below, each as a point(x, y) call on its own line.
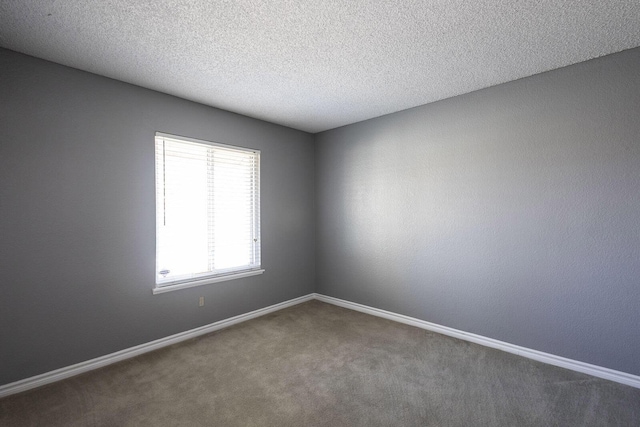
point(201, 301)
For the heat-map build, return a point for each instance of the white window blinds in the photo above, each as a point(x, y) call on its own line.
point(208, 210)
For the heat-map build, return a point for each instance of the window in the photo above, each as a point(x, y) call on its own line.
point(207, 212)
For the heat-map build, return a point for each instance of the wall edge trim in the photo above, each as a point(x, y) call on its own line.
point(99, 362)
point(89, 365)
point(551, 359)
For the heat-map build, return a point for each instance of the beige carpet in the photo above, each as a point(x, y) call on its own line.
point(320, 365)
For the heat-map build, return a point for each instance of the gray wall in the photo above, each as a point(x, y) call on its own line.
point(77, 216)
point(512, 212)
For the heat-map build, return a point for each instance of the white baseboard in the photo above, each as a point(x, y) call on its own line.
point(99, 362)
point(574, 365)
point(89, 365)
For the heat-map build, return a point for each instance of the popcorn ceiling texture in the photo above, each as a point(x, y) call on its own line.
point(318, 65)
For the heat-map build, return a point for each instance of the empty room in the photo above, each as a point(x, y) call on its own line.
point(279, 213)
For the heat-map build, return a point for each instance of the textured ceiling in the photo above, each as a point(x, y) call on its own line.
point(322, 64)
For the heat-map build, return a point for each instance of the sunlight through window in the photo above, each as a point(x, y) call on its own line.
point(207, 199)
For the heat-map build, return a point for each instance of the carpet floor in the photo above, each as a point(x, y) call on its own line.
point(316, 364)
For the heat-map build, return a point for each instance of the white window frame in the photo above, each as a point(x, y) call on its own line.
point(254, 268)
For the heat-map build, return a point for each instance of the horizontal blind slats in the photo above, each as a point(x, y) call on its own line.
point(208, 209)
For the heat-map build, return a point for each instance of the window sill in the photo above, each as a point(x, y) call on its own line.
point(208, 280)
